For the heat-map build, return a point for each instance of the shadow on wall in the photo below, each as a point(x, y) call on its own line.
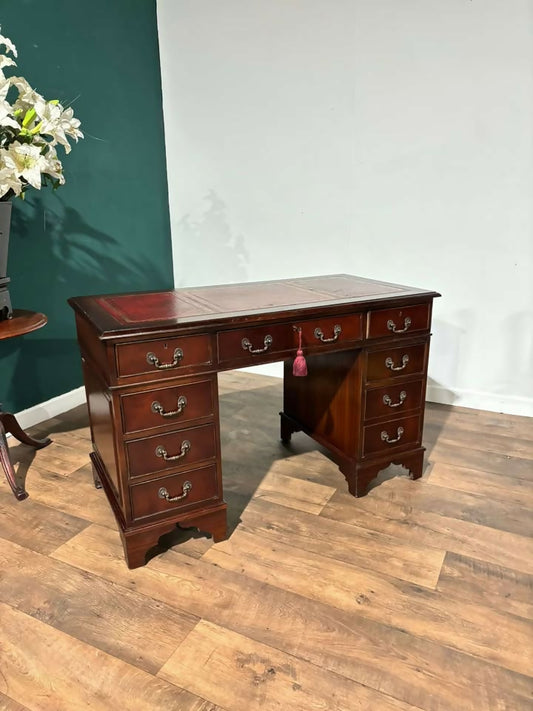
point(32, 363)
point(54, 254)
point(66, 256)
point(209, 242)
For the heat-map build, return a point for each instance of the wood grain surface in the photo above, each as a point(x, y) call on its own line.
point(417, 596)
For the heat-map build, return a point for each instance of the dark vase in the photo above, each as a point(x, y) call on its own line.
point(5, 224)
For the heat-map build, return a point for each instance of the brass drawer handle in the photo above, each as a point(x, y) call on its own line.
point(337, 330)
point(162, 452)
point(387, 400)
point(157, 408)
point(247, 346)
point(406, 325)
point(152, 359)
point(389, 363)
point(385, 436)
point(163, 493)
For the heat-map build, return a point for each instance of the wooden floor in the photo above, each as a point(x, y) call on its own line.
point(416, 596)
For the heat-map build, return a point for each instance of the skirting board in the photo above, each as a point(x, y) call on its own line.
point(478, 400)
point(51, 408)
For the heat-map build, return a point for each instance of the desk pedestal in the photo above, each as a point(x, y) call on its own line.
point(367, 417)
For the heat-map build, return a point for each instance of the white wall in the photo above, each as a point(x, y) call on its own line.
point(382, 138)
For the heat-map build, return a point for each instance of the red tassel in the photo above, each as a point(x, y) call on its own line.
point(299, 367)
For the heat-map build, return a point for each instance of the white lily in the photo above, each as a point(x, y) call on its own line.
point(60, 123)
point(8, 180)
point(53, 165)
point(8, 44)
point(6, 61)
point(6, 119)
point(27, 162)
point(31, 127)
point(28, 97)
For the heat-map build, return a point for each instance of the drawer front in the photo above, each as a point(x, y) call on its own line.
point(170, 450)
point(252, 345)
point(393, 399)
point(154, 497)
point(399, 321)
point(164, 357)
point(393, 362)
point(164, 406)
point(326, 331)
point(389, 435)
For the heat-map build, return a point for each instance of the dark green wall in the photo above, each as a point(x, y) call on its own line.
point(107, 229)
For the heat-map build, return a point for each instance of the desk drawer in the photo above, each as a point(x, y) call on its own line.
point(251, 345)
point(189, 488)
point(170, 450)
point(399, 321)
point(393, 362)
point(393, 400)
point(164, 357)
point(328, 331)
point(391, 435)
point(164, 406)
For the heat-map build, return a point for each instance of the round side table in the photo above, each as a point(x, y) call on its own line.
point(22, 322)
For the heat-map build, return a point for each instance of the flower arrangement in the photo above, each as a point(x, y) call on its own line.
point(30, 130)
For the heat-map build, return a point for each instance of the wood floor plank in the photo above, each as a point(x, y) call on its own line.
point(343, 542)
point(505, 464)
point(449, 559)
point(58, 458)
point(239, 380)
point(487, 584)
point(7, 704)
point(389, 660)
point(479, 630)
point(474, 421)
point(33, 525)
point(73, 495)
point(295, 460)
point(432, 529)
point(95, 611)
point(496, 487)
point(46, 670)
point(294, 493)
point(263, 677)
point(488, 441)
point(503, 515)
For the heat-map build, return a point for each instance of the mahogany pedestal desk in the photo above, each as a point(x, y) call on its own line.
point(21, 322)
point(150, 363)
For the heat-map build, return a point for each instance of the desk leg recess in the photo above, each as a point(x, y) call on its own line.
point(9, 424)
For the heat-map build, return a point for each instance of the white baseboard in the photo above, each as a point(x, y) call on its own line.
point(493, 402)
point(51, 408)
